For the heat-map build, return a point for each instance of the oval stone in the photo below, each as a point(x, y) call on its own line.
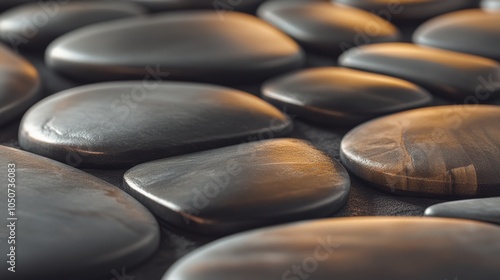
point(490, 4)
point(386, 248)
point(326, 28)
point(409, 10)
point(436, 151)
point(235, 188)
point(191, 45)
point(484, 210)
point(33, 26)
point(471, 31)
point(125, 123)
point(219, 5)
point(341, 96)
point(462, 77)
point(91, 226)
point(19, 85)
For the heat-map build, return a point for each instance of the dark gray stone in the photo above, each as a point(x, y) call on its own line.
point(384, 247)
point(89, 226)
point(19, 85)
point(437, 151)
point(484, 210)
point(409, 10)
point(341, 96)
point(327, 28)
point(33, 26)
point(125, 123)
point(219, 5)
point(462, 77)
point(239, 187)
point(471, 31)
point(191, 45)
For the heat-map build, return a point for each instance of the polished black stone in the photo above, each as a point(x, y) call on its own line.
point(234, 188)
point(484, 210)
point(125, 123)
point(190, 45)
point(473, 31)
point(19, 85)
point(219, 5)
point(326, 28)
point(409, 10)
point(462, 77)
point(350, 248)
point(436, 151)
point(89, 226)
point(341, 96)
point(34, 26)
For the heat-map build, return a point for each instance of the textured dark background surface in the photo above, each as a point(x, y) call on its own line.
point(364, 200)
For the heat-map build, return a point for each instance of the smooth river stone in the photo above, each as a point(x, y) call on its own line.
point(31, 26)
point(191, 45)
point(384, 247)
point(119, 124)
point(409, 10)
point(485, 210)
point(471, 31)
point(462, 77)
point(90, 226)
point(235, 188)
point(326, 28)
point(436, 151)
point(218, 5)
point(341, 96)
point(20, 85)
point(490, 4)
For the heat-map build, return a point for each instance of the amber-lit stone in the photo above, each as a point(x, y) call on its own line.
point(490, 4)
point(126, 123)
point(470, 31)
point(239, 187)
point(91, 226)
point(19, 85)
point(485, 210)
point(409, 10)
point(342, 96)
point(436, 151)
point(463, 77)
point(191, 45)
point(326, 28)
point(385, 248)
point(33, 26)
point(219, 5)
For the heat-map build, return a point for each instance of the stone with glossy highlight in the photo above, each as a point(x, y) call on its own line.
point(341, 96)
point(470, 31)
point(189, 45)
point(119, 124)
point(235, 188)
point(437, 151)
point(458, 76)
point(384, 247)
point(327, 28)
point(91, 226)
point(484, 210)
